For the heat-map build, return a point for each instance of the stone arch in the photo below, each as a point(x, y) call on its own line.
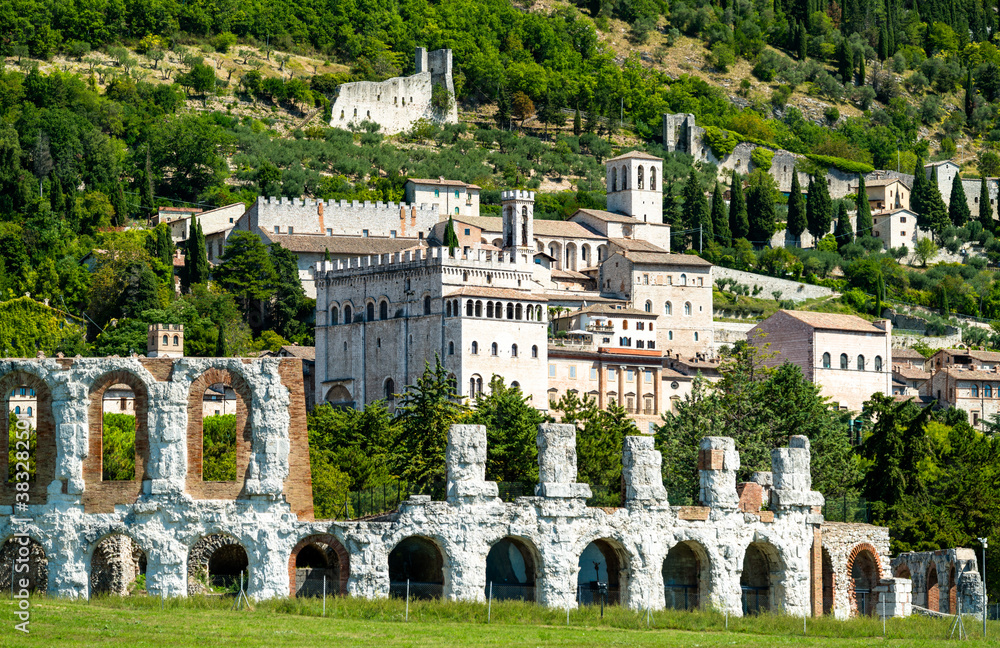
point(116, 562)
point(864, 571)
point(571, 256)
point(902, 571)
point(952, 590)
point(421, 561)
point(760, 583)
point(22, 548)
point(383, 309)
point(555, 251)
point(339, 396)
point(99, 495)
point(194, 485)
point(513, 565)
point(585, 255)
point(216, 560)
point(348, 313)
point(686, 572)
point(933, 589)
point(614, 179)
point(603, 560)
point(829, 583)
point(45, 430)
point(314, 557)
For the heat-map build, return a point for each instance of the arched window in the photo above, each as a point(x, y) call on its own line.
point(843, 361)
point(510, 311)
point(624, 178)
point(475, 348)
point(451, 348)
point(383, 310)
point(469, 308)
point(649, 306)
point(166, 340)
point(696, 336)
point(988, 391)
point(687, 308)
point(371, 311)
point(975, 391)
point(29, 410)
point(625, 325)
point(614, 178)
point(652, 178)
point(479, 308)
point(534, 351)
point(878, 363)
point(518, 312)
point(684, 279)
point(489, 309)
point(427, 304)
point(668, 308)
point(494, 349)
point(17, 409)
point(447, 308)
point(513, 351)
point(348, 314)
point(390, 390)
point(176, 340)
point(640, 180)
point(826, 360)
point(861, 363)
point(334, 315)
point(670, 335)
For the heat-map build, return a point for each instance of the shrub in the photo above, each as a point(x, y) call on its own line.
point(847, 166)
point(723, 56)
point(779, 98)
point(864, 96)
point(223, 42)
point(762, 158)
point(831, 114)
point(721, 141)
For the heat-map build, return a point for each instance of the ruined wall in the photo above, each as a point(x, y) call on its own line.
point(943, 579)
point(338, 218)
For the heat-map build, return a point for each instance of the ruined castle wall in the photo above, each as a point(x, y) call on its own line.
point(339, 218)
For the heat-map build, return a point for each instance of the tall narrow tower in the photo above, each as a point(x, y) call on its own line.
point(635, 186)
point(518, 207)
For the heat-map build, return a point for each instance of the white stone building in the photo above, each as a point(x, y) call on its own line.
point(454, 197)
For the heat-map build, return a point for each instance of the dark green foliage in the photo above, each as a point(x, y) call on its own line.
point(118, 447)
point(739, 222)
point(796, 222)
point(290, 308)
point(761, 208)
point(819, 208)
point(985, 208)
point(247, 271)
point(958, 208)
point(844, 234)
point(720, 219)
point(196, 258)
point(695, 207)
point(511, 427)
point(219, 448)
point(845, 62)
point(863, 222)
point(450, 237)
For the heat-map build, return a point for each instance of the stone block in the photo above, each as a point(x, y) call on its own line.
point(699, 513)
point(641, 470)
point(718, 485)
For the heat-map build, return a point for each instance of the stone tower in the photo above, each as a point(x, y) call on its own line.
point(635, 186)
point(518, 208)
point(165, 341)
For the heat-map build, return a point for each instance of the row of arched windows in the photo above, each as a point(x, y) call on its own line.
point(166, 340)
point(497, 310)
point(845, 362)
point(640, 180)
point(383, 311)
point(987, 392)
point(494, 349)
point(668, 308)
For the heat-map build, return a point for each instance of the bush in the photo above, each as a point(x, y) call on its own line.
point(723, 56)
point(223, 42)
point(864, 96)
point(829, 86)
point(762, 158)
point(779, 98)
point(721, 141)
point(219, 448)
point(118, 447)
point(831, 114)
point(847, 166)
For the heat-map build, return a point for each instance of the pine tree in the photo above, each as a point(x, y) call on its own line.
point(450, 238)
point(761, 208)
point(696, 212)
point(843, 233)
point(958, 207)
point(918, 194)
point(164, 245)
point(196, 259)
point(937, 211)
point(577, 123)
point(819, 209)
point(862, 73)
point(739, 223)
point(845, 62)
point(502, 115)
point(985, 208)
point(863, 221)
point(796, 221)
point(720, 220)
point(220, 342)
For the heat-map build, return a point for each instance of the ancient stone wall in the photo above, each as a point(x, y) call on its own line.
point(943, 580)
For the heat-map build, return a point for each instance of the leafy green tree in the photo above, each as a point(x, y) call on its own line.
point(863, 222)
point(118, 447)
point(739, 222)
point(844, 234)
point(246, 271)
point(720, 219)
point(819, 208)
point(219, 448)
point(695, 206)
point(958, 208)
point(935, 211)
point(577, 123)
point(894, 448)
point(141, 291)
point(511, 428)
point(220, 344)
point(427, 411)
point(761, 207)
point(290, 307)
point(796, 222)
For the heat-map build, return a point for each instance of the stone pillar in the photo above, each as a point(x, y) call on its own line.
point(602, 385)
point(894, 597)
point(557, 463)
point(718, 462)
point(465, 457)
point(641, 471)
point(166, 569)
point(970, 593)
point(792, 479)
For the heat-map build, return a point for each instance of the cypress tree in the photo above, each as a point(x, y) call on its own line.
point(937, 211)
point(577, 123)
point(845, 62)
point(862, 73)
point(819, 209)
point(147, 187)
point(196, 259)
point(802, 42)
point(863, 222)
point(843, 233)
point(720, 220)
point(985, 209)
point(958, 206)
point(918, 194)
point(450, 237)
point(970, 102)
point(945, 306)
point(760, 206)
point(739, 224)
point(796, 222)
point(220, 343)
point(879, 295)
point(165, 244)
point(695, 207)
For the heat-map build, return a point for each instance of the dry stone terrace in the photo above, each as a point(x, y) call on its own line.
point(744, 549)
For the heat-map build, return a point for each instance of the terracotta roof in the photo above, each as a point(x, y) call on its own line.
point(182, 210)
point(636, 245)
point(302, 352)
point(833, 321)
point(443, 182)
point(883, 182)
point(568, 274)
point(605, 309)
point(970, 374)
point(496, 293)
point(641, 155)
point(907, 354)
point(485, 223)
point(569, 229)
point(666, 258)
point(343, 245)
point(909, 372)
point(607, 216)
point(985, 356)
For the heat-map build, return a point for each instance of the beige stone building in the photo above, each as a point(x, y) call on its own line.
point(968, 380)
point(898, 227)
point(454, 197)
point(887, 194)
point(848, 357)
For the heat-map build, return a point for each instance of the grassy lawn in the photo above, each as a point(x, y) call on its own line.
point(203, 622)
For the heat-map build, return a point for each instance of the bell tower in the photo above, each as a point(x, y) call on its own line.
point(518, 207)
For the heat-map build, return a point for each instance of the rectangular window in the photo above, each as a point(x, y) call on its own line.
point(572, 371)
point(364, 232)
point(456, 194)
point(902, 219)
point(291, 230)
point(629, 375)
point(611, 373)
point(277, 229)
point(437, 193)
point(645, 279)
point(392, 233)
point(552, 371)
point(468, 232)
point(593, 373)
point(329, 231)
point(648, 376)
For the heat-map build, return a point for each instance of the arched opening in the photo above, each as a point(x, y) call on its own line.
point(339, 397)
point(23, 550)
point(479, 308)
point(652, 178)
point(32, 432)
point(603, 567)
point(511, 569)
point(489, 309)
point(427, 304)
point(219, 435)
point(118, 442)
point(316, 560)
point(624, 178)
point(902, 571)
point(614, 178)
point(952, 601)
point(389, 390)
point(555, 251)
point(348, 314)
point(370, 311)
point(334, 316)
point(864, 579)
point(215, 564)
point(518, 312)
point(510, 310)
point(828, 583)
point(118, 433)
point(685, 576)
point(571, 256)
point(418, 562)
point(640, 180)
point(117, 567)
point(383, 310)
point(843, 361)
point(933, 589)
point(756, 579)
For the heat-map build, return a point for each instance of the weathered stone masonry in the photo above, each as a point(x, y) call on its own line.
point(175, 522)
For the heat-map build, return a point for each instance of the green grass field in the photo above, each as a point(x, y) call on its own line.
point(204, 622)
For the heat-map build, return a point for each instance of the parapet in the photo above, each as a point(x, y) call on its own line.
point(465, 457)
point(718, 462)
point(477, 259)
point(517, 194)
point(792, 478)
